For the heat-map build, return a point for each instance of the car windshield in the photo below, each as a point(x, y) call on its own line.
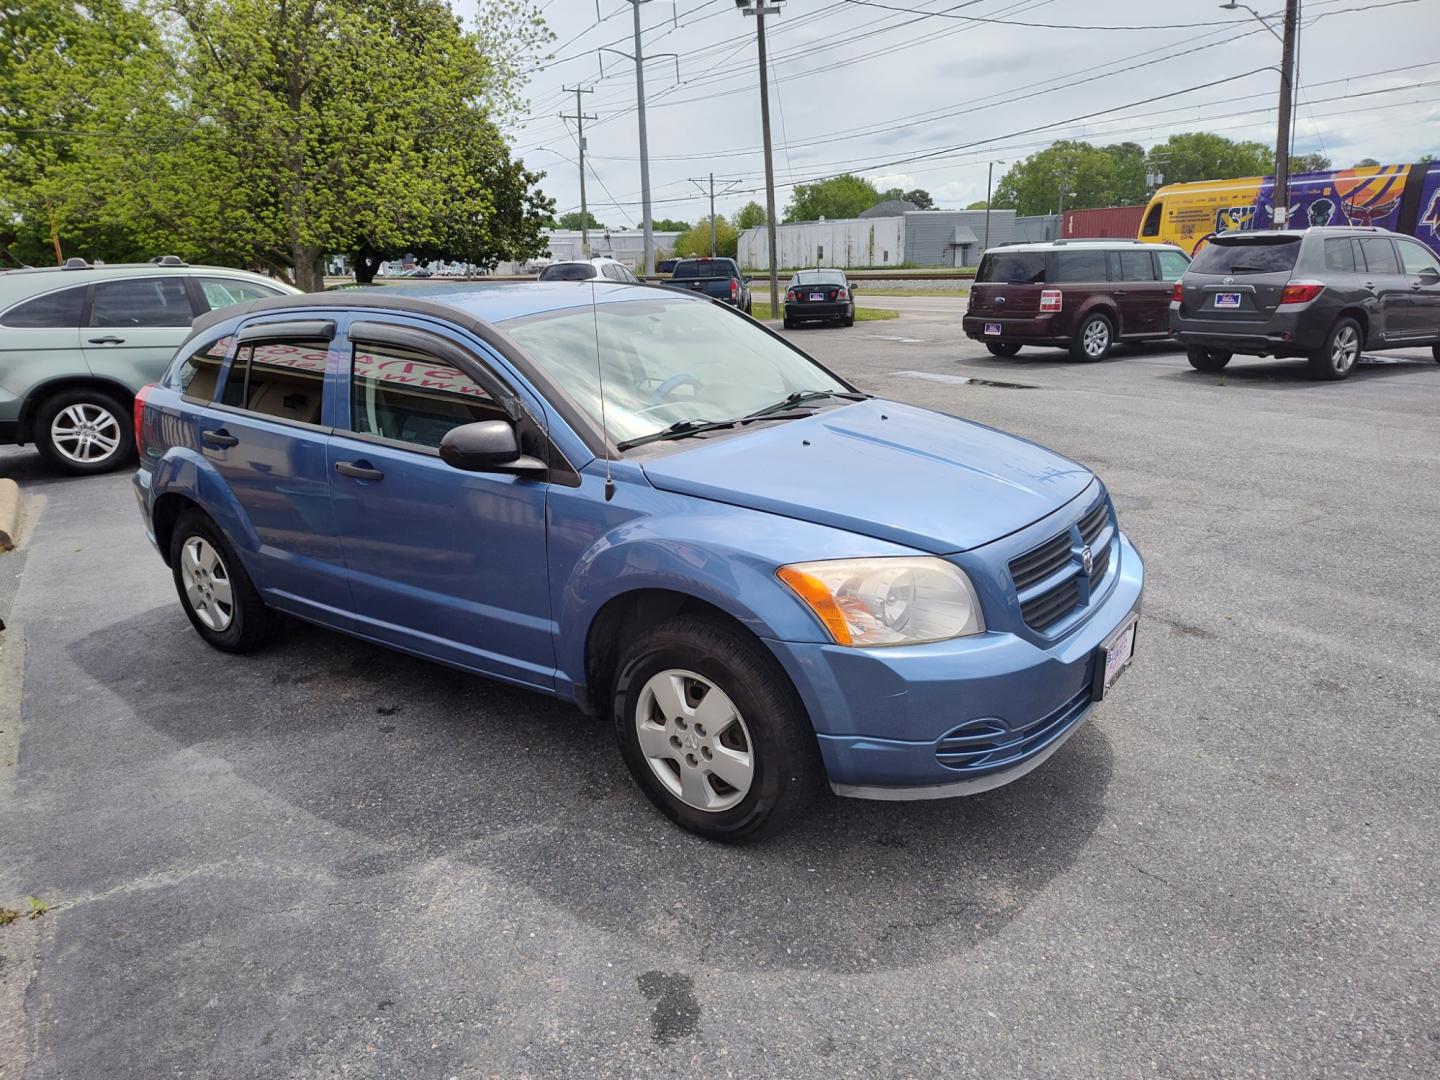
point(567, 272)
point(819, 277)
point(666, 361)
point(1015, 267)
point(702, 268)
point(1251, 255)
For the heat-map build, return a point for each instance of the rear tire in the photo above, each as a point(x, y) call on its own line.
point(691, 671)
point(1002, 348)
point(848, 320)
point(1094, 340)
point(1435, 352)
point(1203, 359)
point(84, 432)
point(218, 597)
point(789, 323)
point(1337, 358)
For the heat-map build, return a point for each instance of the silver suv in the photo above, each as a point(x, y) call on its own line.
point(77, 341)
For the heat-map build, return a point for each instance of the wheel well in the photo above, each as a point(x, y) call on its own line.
point(38, 396)
point(1358, 314)
point(168, 509)
point(616, 624)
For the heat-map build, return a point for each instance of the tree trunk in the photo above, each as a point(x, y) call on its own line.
point(309, 268)
point(367, 264)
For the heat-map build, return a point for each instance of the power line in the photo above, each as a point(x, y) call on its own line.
point(1038, 25)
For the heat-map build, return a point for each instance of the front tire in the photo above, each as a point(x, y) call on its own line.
point(1094, 340)
point(1435, 352)
point(84, 432)
point(218, 597)
point(1203, 359)
point(1002, 348)
point(1337, 358)
point(712, 731)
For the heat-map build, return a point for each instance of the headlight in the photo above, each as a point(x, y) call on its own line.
point(887, 601)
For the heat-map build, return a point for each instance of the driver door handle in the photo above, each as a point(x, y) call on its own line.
point(109, 339)
point(358, 470)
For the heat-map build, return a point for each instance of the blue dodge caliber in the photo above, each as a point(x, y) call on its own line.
point(651, 505)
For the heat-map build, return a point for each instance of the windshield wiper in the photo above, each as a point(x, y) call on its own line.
point(677, 430)
point(789, 401)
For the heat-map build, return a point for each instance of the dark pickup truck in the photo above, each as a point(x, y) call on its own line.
point(719, 278)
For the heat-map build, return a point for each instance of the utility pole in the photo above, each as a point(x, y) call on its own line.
point(989, 187)
point(580, 117)
point(759, 9)
point(700, 183)
point(1281, 200)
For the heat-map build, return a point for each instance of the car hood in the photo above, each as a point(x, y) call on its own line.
point(882, 469)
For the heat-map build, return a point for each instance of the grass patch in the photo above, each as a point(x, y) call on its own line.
point(761, 310)
point(900, 290)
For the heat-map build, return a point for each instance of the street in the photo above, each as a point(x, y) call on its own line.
point(329, 859)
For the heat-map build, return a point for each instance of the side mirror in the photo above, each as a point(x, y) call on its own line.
point(1429, 275)
point(486, 446)
point(744, 281)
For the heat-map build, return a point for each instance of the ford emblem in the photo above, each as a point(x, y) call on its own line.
point(999, 299)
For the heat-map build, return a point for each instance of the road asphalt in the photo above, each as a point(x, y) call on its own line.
point(331, 860)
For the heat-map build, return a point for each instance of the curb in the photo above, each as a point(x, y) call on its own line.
point(9, 514)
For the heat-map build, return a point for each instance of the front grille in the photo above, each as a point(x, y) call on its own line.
point(1050, 580)
point(985, 746)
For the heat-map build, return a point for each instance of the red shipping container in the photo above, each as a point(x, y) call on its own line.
point(1110, 222)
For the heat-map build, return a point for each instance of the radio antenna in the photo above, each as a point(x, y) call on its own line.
point(600, 378)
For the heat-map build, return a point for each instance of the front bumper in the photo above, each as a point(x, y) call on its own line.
point(888, 720)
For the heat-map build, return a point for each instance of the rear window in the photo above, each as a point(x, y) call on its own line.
point(567, 272)
point(53, 311)
point(709, 268)
point(1013, 267)
point(1080, 266)
point(819, 277)
point(1247, 256)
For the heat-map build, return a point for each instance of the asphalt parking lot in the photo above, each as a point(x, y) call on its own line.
point(327, 859)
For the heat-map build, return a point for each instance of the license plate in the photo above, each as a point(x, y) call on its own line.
point(992, 328)
point(1114, 657)
point(817, 296)
point(1227, 299)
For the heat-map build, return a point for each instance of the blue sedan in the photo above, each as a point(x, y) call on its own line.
point(647, 504)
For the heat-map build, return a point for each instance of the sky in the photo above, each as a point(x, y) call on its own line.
point(921, 93)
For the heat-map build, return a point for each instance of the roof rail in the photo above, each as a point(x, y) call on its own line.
point(168, 260)
point(1099, 240)
point(75, 263)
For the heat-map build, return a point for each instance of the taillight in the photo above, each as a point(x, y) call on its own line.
point(140, 419)
point(842, 294)
point(1050, 300)
point(1177, 294)
point(789, 294)
point(734, 289)
point(1301, 292)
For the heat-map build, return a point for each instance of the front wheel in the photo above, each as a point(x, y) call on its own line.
point(84, 432)
point(1002, 348)
point(1203, 359)
point(218, 597)
point(1337, 357)
point(1094, 341)
point(712, 731)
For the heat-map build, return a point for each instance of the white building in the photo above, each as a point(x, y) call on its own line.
point(625, 245)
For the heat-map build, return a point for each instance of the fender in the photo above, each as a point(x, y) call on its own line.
point(1106, 308)
point(185, 471)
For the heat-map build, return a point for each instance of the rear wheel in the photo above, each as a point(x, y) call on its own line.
point(789, 323)
point(1094, 340)
point(849, 319)
point(223, 605)
point(1435, 352)
point(1002, 348)
point(1338, 356)
point(84, 431)
point(712, 731)
point(1203, 359)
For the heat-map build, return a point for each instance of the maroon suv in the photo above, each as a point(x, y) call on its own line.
point(1081, 294)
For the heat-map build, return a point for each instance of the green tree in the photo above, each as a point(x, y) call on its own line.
point(1128, 186)
point(1086, 174)
point(1302, 163)
point(919, 196)
point(669, 225)
point(1199, 155)
point(751, 216)
point(695, 242)
point(1368, 162)
point(572, 220)
point(844, 196)
point(978, 204)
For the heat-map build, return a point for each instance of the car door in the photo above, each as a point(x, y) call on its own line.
point(1422, 270)
point(1143, 300)
point(1381, 275)
point(267, 439)
point(40, 339)
point(445, 562)
point(136, 324)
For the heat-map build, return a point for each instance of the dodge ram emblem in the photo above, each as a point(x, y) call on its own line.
point(1087, 560)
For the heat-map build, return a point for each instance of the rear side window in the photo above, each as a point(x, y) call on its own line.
point(413, 398)
point(567, 272)
point(200, 371)
point(612, 272)
point(1136, 266)
point(1339, 255)
point(1247, 256)
point(280, 379)
point(1013, 267)
point(61, 310)
point(1416, 259)
point(1172, 264)
point(222, 292)
point(1379, 255)
point(1080, 266)
point(142, 302)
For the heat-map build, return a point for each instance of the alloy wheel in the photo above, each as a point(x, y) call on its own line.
point(207, 584)
point(1096, 338)
point(85, 433)
point(1345, 349)
point(695, 740)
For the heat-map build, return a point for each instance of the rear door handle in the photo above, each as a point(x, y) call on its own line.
point(218, 440)
point(358, 470)
point(107, 340)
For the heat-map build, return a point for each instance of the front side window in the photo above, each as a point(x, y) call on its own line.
point(142, 302)
point(222, 292)
point(1080, 266)
point(665, 360)
point(1013, 268)
point(1152, 220)
point(410, 397)
point(59, 310)
point(1416, 259)
point(200, 371)
point(1172, 265)
point(280, 379)
point(1379, 255)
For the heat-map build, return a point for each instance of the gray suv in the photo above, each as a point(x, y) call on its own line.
point(77, 341)
point(1327, 294)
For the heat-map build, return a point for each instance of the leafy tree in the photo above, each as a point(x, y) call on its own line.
point(1366, 163)
point(1033, 186)
point(978, 204)
point(695, 242)
point(1426, 159)
point(669, 225)
point(1199, 155)
point(572, 220)
point(1300, 163)
point(844, 196)
point(1128, 186)
point(919, 196)
point(751, 216)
